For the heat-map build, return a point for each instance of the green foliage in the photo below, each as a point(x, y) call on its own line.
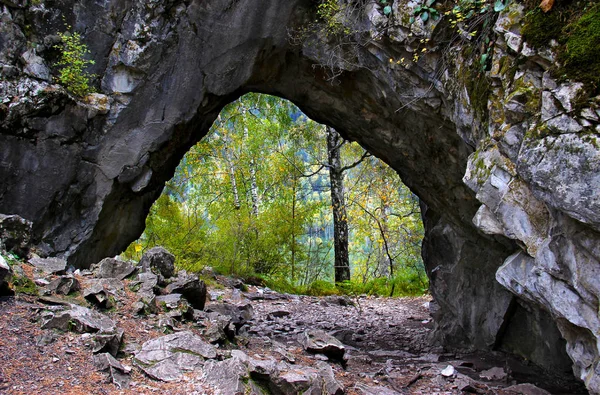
point(208, 216)
point(73, 64)
point(331, 13)
point(426, 11)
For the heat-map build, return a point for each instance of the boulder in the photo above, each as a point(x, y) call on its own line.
point(15, 234)
point(320, 342)
point(113, 268)
point(160, 259)
point(167, 357)
point(63, 285)
point(50, 265)
point(192, 288)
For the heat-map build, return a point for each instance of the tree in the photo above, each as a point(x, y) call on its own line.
point(338, 204)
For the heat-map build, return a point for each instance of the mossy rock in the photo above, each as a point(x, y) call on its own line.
point(24, 285)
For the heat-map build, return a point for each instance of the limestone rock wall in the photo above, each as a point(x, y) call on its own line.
point(510, 181)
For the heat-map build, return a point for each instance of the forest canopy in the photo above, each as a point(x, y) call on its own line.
point(254, 199)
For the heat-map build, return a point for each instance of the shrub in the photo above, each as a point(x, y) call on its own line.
point(73, 64)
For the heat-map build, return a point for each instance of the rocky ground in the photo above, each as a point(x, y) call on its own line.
point(142, 329)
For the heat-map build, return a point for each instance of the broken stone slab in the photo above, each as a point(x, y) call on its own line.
point(191, 287)
point(240, 314)
point(228, 376)
point(146, 282)
point(320, 342)
point(218, 328)
point(165, 358)
point(113, 268)
point(117, 373)
point(146, 304)
point(103, 292)
point(176, 304)
point(5, 277)
point(160, 259)
point(330, 384)
point(50, 265)
point(63, 285)
point(81, 320)
point(109, 342)
point(15, 234)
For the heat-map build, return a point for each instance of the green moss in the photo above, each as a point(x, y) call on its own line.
point(540, 28)
point(581, 57)
point(478, 88)
point(575, 25)
point(24, 285)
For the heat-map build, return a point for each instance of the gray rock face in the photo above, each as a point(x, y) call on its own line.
point(167, 357)
point(86, 172)
point(113, 268)
point(15, 234)
point(160, 259)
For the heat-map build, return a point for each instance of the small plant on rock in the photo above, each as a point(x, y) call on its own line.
point(73, 64)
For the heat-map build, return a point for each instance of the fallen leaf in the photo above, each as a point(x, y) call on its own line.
point(546, 5)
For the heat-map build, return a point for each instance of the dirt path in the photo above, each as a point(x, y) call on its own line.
point(386, 344)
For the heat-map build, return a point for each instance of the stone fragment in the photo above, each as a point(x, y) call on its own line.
point(448, 371)
point(240, 314)
point(35, 66)
point(50, 265)
point(228, 376)
point(15, 234)
point(117, 373)
point(63, 285)
point(165, 358)
point(567, 94)
point(175, 303)
point(103, 292)
point(330, 384)
point(319, 341)
point(192, 288)
point(160, 259)
point(113, 268)
point(81, 320)
point(109, 342)
point(218, 328)
point(495, 373)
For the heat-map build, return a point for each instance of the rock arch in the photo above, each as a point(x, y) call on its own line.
point(86, 173)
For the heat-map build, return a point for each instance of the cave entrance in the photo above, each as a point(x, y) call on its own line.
point(254, 199)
